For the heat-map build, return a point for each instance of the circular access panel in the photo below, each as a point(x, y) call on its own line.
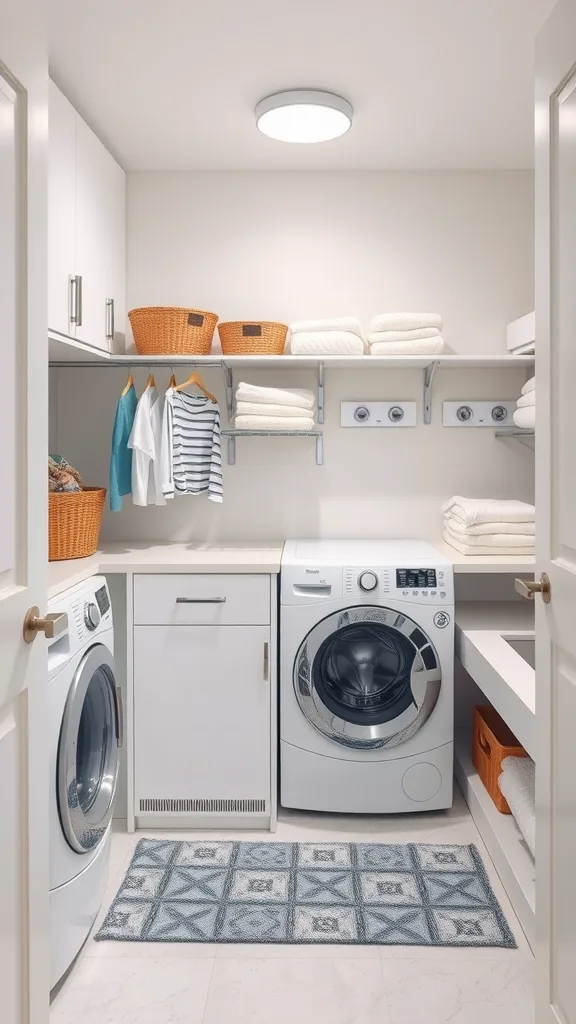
point(421, 782)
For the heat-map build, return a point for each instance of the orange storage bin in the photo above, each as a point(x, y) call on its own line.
point(493, 741)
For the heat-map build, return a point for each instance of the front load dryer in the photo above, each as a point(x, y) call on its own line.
point(85, 734)
point(366, 676)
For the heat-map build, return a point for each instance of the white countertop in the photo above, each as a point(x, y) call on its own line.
point(158, 558)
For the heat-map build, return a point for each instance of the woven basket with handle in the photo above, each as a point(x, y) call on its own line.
point(493, 741)
point(74, 522)
point(252, 337)
point(171, 330)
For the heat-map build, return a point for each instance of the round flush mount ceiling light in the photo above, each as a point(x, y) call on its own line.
point(303, 115)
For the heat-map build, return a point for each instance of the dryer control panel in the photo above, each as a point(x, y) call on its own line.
point(427, 584)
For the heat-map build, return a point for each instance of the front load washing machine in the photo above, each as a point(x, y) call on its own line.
point(366, 676)
point(85, 733)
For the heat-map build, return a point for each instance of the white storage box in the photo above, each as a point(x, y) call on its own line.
point(521, 335)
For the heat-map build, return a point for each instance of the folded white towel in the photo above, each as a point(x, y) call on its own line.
point(525, 401)
point(525, 418)
point(327, 343)
point(426, 347)
point(404, 321)
point(274, 396)
point(261, 409)
point(529, 386)
point(518, 785)
point(457, 526)
point(488, 549)
point(423, 332)
point(348, 324)
point(489, 510)
point(492, 540)
point(274, 422)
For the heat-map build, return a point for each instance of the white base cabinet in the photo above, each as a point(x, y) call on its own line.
point(204, 703)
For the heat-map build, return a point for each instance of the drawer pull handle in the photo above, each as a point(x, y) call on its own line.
point(266, 660)
point(200, 600)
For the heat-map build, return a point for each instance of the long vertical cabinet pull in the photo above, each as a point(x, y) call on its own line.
point(266, 660)
point(75, 300)
point(110, 319)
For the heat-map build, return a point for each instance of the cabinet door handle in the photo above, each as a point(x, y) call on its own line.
point(75, 300)
point(200, 600)
point(110, 319)
point(266, 660)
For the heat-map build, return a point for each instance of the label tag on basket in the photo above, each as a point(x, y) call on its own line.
point(196, 319)
point(251, 330)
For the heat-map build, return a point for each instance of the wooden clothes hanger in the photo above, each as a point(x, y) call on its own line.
point(129, 384)
point(151, 383)
point(172, 381)
point(196, 379)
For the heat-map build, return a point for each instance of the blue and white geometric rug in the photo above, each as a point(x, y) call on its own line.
point(358, 893)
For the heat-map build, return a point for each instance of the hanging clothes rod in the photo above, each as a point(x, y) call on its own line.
point(102, 364)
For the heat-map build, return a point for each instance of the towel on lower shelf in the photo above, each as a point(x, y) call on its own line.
point(489, 510)
point(525, 418)
point(404, 321)
point(423, 332)
point(327, 343)
point(275, 396)
point(529, 386)
point(425, 347)
point(457, 526)
point(518, 784)
point(491, 540)
point(525, 401)
point(274, 423)
point(257, 409)
point(485, 549)
point(348, 324)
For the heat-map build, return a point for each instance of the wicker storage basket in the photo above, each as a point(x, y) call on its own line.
point(74, 522)
point(492, 742)
point(252, 337)
point(170, 330)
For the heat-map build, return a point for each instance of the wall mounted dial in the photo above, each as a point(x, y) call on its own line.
point(91, 615)
point(368, 581)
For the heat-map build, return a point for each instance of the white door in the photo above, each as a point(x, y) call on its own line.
point(23, 429)
point(556, 505)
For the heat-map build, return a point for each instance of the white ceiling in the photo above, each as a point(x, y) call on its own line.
point(172, 84)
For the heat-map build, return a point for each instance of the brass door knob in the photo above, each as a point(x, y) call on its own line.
point(528, 588)
point(51, 625)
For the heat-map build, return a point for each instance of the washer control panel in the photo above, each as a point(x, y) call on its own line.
point(426, 585)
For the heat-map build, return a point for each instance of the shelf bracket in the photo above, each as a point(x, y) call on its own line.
point(320, 400)
point(320, 448)
point(231, 438)
point(229, 382)
point(428, 378)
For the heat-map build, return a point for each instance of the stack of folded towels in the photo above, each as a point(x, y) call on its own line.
point(485, 526)
point(410, 334)
point(525, 415)
point(517, 784)
point(273, 408)
point(341, 336)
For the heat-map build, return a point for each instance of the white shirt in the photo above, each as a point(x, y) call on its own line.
point(145, 441)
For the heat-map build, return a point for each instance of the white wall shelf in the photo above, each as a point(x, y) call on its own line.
point(502, 838)
point(231, 436)
point(486, 563)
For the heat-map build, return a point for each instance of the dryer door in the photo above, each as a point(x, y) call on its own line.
point(367, 677)
point(88, 750)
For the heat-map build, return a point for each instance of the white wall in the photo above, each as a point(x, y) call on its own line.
point(285, 246)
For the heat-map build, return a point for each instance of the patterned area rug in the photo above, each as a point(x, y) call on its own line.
point(361, 893)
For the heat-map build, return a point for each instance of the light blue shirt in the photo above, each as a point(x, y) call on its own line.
point(121, 454)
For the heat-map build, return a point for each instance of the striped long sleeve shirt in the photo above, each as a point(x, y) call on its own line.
point(191, 458)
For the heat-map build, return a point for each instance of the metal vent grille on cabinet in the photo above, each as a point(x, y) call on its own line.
point(203, 806)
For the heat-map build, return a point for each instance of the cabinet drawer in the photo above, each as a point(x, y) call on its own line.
point(183, 599)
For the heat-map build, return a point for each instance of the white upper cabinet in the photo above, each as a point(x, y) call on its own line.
point(87, 232)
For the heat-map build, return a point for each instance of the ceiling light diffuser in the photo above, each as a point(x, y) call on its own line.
point(303, 116)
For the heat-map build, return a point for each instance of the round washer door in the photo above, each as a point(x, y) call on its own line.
point(367, 677)
point(88, 751)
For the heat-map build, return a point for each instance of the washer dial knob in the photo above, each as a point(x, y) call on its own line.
point(368, 581)
point(91, 615)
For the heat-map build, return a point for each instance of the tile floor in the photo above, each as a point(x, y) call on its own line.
point(168, 983)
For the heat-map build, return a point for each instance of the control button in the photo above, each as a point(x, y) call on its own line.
point(433, 593)
point(415, 592)
point(91, 615)
point(368, 580)
point(424, 593)
point(406, 593)
point(441, 619)
point(442, 593)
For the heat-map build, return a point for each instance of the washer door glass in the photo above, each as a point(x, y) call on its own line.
point(367, 677)
point(88, 751)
